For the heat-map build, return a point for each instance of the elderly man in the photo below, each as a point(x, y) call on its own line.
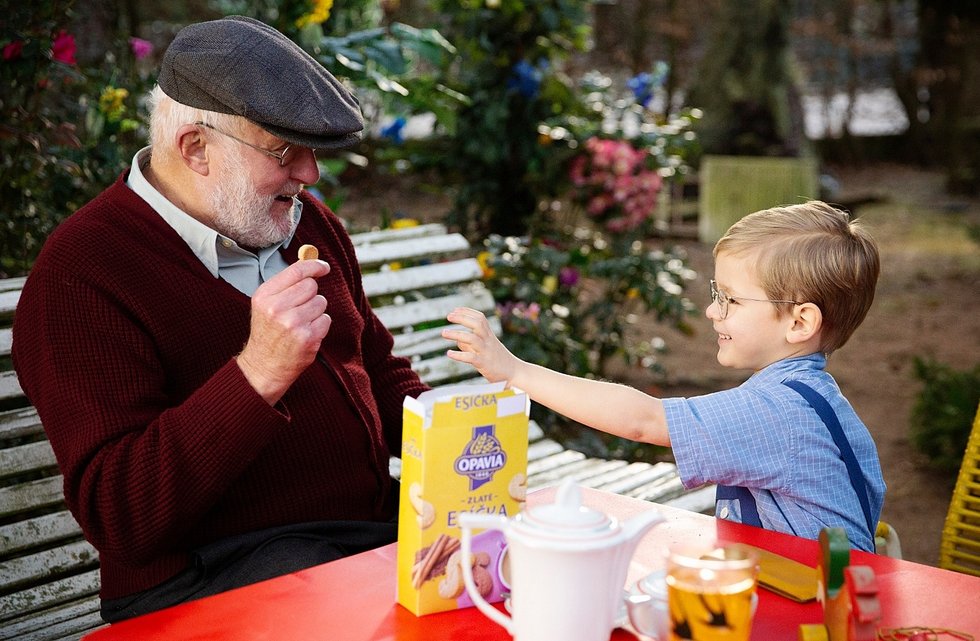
point(222, 412)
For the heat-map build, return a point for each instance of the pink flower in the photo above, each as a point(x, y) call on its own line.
point(141, 48)
point(12, 50)
point(568, 276)
point(63, 48)
point(614, 184)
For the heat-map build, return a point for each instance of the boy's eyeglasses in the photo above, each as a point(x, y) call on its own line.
point(721, 299)
point(284, 157)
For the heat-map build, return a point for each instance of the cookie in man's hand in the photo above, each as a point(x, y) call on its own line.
point(308, 252)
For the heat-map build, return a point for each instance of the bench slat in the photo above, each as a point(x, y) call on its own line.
point(577, 470)
point(63, 621)
point(10, 386)
point(540, 468)
point(27, 457)
point(72, 630)
point(66, 558)
point(39, 530)
point(438, 370)
point(700, 500)
point(413, 248)
point(8, 301)
point(12, 284)
point(388, 235)
point(427, 341)
point(543, 449)
point(49, 595)
point(601, 473)
point(19, 423)
point(6, 341)
point(662, 490)
point(534, 431)
point(31, 495)
point(421, 277)
point(641, 474)
point(398, 316)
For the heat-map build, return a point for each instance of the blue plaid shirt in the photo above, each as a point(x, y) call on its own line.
point(764, 436)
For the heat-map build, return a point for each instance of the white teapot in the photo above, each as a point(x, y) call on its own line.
point(568, 566)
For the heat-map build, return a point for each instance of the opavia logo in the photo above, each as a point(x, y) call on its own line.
point(481, 458)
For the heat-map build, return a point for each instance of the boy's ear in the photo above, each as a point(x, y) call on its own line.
point(807, 321)
point(192, 149)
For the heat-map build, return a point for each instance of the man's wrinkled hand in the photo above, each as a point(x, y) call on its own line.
point(287, 326)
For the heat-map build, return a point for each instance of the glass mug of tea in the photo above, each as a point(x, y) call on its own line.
point(710, 592)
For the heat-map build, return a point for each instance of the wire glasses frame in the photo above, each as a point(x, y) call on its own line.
point(284, 157)
point(722, 299)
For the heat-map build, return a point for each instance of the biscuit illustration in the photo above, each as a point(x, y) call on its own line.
point(517, 488)
point(483, 581)
point(451, 587)
point(425, 512)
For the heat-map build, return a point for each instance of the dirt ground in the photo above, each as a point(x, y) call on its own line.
point(927, 304)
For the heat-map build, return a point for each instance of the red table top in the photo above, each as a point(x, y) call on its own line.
point(354, 598)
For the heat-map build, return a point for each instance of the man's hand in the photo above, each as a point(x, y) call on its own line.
point(288, 324)
point(479, 346)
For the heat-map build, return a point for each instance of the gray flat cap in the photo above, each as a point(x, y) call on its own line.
point(238, 65)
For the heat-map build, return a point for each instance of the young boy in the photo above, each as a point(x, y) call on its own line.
point(791, 285)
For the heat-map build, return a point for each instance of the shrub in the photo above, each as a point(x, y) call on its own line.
point(572, 301)
point(943, 412)
point(67, 130)
point(509, 69)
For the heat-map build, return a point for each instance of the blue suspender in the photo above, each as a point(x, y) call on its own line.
point(746, 502)
point(749, 511)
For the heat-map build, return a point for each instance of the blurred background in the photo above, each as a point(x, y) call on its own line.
point(595, 151)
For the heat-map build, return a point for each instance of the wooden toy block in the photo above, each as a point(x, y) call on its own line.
point(835, 556)
point(861, 586)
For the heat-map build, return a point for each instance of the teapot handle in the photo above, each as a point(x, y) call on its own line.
point(467, 521)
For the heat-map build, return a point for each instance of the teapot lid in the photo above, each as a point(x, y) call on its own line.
point(567, 517)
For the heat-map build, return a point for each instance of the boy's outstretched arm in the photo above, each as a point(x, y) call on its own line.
point(610, 407)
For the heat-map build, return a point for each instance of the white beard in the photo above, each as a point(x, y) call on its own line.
point(240, 213)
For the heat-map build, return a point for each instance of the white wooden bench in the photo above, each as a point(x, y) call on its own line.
point(414, 276)
point(436, 288)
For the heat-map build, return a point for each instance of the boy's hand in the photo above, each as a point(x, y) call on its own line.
point(479, 347)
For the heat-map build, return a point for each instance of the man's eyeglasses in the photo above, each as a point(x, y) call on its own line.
point(284, 157)
point(722, 299)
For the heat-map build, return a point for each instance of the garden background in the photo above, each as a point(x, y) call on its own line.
point(570, 140)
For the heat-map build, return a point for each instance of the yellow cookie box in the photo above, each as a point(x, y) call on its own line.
point(464, 449)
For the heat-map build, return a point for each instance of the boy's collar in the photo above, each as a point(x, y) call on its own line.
point(815, 361)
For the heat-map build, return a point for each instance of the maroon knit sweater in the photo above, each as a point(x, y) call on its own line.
point(125, 343)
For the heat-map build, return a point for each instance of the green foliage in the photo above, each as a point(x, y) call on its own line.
point(630, 112)
point(389, 66)
point(300, 19)
point(571, 302)
point(943, 412)
point(67, 131)
point(508, 68)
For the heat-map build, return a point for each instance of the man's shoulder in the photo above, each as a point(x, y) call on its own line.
point(104, 210)
point(117, 225)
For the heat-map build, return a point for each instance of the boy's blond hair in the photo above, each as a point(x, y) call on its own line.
point(813, 253)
